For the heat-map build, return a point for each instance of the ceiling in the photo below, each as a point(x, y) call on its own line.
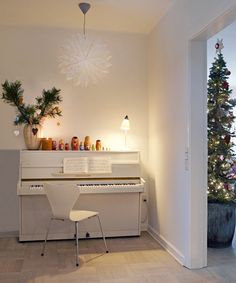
point(138, 16)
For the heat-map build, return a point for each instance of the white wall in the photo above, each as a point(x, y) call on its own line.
point(29, 54)
point(171, 187)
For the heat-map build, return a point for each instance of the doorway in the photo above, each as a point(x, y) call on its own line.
point(196, 246)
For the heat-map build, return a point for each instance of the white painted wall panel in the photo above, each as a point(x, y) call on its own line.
point(170, 206)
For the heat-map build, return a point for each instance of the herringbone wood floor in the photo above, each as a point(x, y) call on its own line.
point(131, 260)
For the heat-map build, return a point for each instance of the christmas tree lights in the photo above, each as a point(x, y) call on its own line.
point(220, 133)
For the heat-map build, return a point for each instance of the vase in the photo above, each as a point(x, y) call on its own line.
point(221, 225)
point(32, 135)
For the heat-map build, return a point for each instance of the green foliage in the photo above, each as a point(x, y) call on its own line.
point(46, 105)
point(220, 133)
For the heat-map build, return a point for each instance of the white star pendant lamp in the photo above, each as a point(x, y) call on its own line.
point(84, 60)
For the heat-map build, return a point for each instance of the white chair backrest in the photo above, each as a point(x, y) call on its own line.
point(62, 198)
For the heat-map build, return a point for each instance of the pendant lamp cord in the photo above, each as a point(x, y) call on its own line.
point(84, 7)
point(84, 26)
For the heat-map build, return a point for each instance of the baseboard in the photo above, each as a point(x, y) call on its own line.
point(9, 234)
point(166, 245)
point(144, 227)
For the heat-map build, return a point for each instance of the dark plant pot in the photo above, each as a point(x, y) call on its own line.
point(221, 225)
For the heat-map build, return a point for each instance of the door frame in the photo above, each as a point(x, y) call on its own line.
point(196, 245)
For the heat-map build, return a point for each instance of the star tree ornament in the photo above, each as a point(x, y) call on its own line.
point(219, 45)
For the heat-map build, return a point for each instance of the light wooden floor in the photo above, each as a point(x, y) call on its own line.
point(131, 260)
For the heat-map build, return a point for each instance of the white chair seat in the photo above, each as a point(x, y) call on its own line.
point(79, 215)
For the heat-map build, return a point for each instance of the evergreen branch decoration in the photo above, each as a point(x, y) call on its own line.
point(220, 132)
point(46, 104)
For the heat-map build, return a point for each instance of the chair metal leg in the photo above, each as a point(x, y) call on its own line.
point(77, 242)
point(46, 237)
point(75, 233)
point(104, 240)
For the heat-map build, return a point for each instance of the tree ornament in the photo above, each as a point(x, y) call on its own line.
point(219, 46)
point(38, 111)
point(221, 157)
point(227, 139)
point(225, 85)
point(226, 186)
point(16, 132)
point(21, 100)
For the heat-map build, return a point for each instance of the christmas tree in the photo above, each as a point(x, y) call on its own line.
point(220, 133)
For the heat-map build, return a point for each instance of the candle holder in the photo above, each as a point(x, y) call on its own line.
point(46, 144)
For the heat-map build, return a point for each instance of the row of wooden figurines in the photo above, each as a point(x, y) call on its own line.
point(49, 144)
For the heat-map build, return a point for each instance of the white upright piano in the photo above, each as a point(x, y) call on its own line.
point(114, 191)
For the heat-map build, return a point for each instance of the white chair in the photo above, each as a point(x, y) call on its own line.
point(62, 199)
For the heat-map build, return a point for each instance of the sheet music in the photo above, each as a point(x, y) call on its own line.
point(75, 165)
point(86, 165)
point(99, 165)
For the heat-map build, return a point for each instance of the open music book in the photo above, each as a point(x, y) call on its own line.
point(94, 165)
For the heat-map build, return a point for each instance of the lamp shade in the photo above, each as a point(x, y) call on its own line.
point(125, 125)
point(82, 59)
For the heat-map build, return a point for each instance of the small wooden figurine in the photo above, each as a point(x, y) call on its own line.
point(61, 144)
point(98, 145)
point(74, 143)
point(54, 145)
point(87, 143)
point(67, 147)
point(81, 146)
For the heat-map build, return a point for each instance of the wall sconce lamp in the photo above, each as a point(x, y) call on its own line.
point(125, 126)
